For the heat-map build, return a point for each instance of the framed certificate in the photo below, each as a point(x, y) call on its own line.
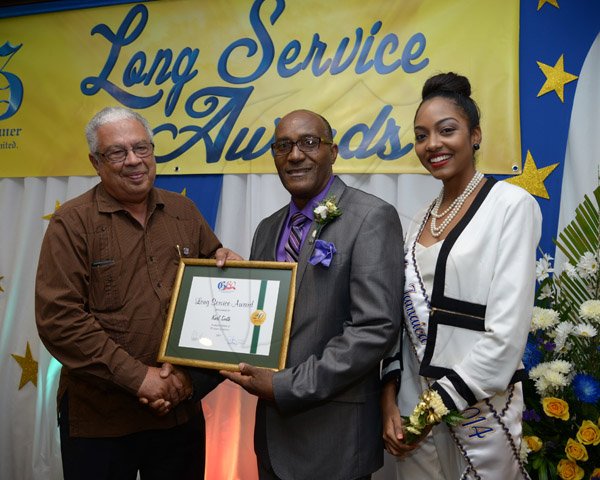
point(219, 317)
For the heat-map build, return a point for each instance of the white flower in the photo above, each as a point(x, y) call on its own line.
point(545, 292)
point(437, 404)
point(321, 211)
point(561, 366)
point(542, 386)
point(545, 369)
point(590, 310)
point(551, 376)
point(415, 419)
point(543, 318)
point(543, 268)
point(326, 211)
point(331, 206)
point(570, 270)
point(413, 430)
point(538, 371)
point(556, 379)
point(585, 330)
point(561, 333)
point(587, 265)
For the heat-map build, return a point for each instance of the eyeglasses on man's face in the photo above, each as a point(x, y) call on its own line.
point(116, 155)
point(307, 144)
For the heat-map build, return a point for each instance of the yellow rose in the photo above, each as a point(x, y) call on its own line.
point(588, 433)
point(568, 470)
point(595, 474)
point(576, 451)
point(533, 443)
point(555, 407)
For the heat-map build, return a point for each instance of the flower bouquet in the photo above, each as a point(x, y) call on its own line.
point(429, 411)
point(561, 421)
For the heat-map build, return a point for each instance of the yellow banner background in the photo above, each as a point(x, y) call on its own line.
point(236, 67)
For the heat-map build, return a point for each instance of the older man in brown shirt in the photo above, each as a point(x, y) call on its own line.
point(105, 275)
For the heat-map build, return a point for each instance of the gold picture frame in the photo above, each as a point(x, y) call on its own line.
point(219, 317)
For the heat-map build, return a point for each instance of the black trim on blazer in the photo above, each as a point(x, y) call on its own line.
point(449, 311)
point(462, 388)
point(443, 317)
point(519, 376)
point(447, 399)
point(437, 297)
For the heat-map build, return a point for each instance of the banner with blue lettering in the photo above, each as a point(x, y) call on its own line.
point(58, 68)
point(214, 77)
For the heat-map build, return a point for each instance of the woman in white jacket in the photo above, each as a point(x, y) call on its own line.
point(470, 279)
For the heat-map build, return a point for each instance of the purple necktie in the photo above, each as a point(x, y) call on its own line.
point(292, 246)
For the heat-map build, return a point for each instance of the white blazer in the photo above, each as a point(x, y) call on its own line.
point(490, 273)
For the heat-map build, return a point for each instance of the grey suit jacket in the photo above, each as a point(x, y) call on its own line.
point(326, 420)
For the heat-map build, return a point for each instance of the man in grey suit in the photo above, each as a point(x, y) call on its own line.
point(319, 418)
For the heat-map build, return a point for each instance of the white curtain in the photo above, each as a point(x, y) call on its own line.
point(582, 163)
point(29, 442)
point(29, 446)
point(247, 199)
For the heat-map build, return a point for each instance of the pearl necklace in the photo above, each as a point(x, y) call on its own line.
point(453, 208)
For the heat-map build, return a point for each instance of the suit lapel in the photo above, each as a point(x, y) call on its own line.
point(279, 225)
point(336, 190)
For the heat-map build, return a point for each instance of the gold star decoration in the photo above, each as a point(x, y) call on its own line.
point(532, 178)
point(556, 78)
point(541, 3)
point(29, 368)
point(56, 207)
point(184, 192)
point(1, 289)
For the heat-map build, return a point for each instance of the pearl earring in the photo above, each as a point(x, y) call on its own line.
point(475, 146)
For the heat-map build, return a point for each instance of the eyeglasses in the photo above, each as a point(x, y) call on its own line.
point(307, 144)
point(118, 155)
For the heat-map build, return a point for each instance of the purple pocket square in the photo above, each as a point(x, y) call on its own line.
point(323, 253)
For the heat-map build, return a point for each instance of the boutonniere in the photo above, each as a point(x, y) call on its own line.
point(326, 211)
point(323, 253)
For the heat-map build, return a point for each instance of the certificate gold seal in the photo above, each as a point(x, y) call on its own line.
point(258, 317)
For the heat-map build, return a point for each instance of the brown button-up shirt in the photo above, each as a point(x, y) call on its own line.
point(102, 292)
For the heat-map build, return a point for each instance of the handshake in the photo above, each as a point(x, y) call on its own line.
point(164, 388)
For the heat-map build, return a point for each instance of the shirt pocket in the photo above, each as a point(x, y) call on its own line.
point(106, 294)
point(184, 235)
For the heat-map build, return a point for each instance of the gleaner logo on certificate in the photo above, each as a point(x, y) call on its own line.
point(219, 317)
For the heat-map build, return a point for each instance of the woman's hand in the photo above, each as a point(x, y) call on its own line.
point(393, 428)
point(393, 435)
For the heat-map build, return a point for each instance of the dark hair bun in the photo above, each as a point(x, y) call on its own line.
point(455, 88)
point(446, 82)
